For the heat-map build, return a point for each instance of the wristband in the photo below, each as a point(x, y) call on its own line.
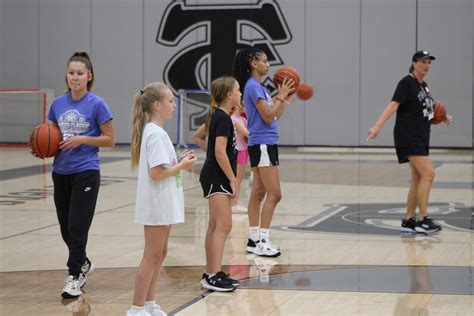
point(282, 100)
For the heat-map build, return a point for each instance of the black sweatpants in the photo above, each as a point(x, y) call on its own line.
point(75, 197)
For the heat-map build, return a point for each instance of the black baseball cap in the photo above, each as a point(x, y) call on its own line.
point(422, 54)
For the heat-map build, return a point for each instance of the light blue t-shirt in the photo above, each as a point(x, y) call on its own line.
point(259, 131)
point(78, 117)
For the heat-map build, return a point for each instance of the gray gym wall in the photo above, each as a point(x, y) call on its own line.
point(353, 52)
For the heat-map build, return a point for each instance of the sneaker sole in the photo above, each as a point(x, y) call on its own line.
point(214, 288)
point(67, 295)
point(268, 256)
point(250, 249)
point(427, 232)
point(406, 230)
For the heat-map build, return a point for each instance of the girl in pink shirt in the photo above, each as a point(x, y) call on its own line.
point(242, 134)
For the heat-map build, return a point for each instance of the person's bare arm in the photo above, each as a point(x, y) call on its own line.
point(386, 114)
point(199, 137)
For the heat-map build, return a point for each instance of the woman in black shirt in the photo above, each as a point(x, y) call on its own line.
point(414, 105)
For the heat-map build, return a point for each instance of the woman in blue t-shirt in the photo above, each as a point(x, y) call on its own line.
point(86, 124)
point(250, 67)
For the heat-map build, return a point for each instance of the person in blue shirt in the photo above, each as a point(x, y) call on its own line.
point(86, 124)
point(250, 68)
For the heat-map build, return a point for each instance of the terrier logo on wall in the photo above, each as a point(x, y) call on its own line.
point(380, 219)
point(212, 33)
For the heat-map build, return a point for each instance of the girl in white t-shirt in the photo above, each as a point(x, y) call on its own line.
point(159, 201)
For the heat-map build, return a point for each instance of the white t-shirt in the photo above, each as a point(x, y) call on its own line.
point(158, 202)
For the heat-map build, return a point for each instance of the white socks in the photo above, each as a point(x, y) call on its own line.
point(264, 234)
point(254, 233)
point(147, 303)
point(136, 309)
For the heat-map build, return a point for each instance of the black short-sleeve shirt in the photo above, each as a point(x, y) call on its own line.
point(414, 115)
point(220, 125)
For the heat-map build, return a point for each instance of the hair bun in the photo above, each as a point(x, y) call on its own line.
point(81, 54)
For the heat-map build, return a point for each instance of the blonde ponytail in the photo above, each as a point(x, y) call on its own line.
point(138, 122)
point(142, 107)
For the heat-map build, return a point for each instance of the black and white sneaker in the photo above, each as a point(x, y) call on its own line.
point(427, 226)
point(234, 282)
point(72, 287)
point(251, 245)
point(86, 270)
point(266, 249)
point(218, 282)
point(409, 226)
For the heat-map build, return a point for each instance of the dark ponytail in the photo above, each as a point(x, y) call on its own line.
point(82, 57)
point(242, 69)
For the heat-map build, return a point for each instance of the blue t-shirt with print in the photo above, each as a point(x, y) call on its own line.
point(259, 131)
point(78, 117)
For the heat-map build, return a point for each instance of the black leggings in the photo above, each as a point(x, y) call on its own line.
point(75, 197)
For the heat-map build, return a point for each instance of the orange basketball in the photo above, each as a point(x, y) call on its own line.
point(44, 140)
point(305, 91)
point(439, 113)
point(287, 72)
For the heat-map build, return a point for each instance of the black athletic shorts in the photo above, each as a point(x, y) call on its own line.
point(263, 155)
point(209, 189)
point(404, 152)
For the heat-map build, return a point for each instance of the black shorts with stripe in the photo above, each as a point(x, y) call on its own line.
point(209, 189)
point(263, 155)
point(404, 152)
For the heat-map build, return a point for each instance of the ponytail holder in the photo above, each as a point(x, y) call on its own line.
point(214, 104)
point(141, 92)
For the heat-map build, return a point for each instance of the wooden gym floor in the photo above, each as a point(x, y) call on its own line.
point(337, 226)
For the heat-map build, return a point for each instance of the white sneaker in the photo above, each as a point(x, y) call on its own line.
point(86, 270)
point(72, 287)
point(155, 310)
point(140, 313)
point(273, 245)
point(265, 249)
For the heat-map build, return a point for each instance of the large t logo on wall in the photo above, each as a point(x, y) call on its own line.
point(220, 30)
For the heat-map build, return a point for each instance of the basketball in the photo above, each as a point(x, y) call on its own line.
point(439, 113)
point(305, 91)
point(44, 141)
point(286, 72)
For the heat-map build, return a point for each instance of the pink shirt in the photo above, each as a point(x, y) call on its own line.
point(242, 143)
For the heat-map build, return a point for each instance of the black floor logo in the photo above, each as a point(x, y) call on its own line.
point(226, 28)
point(381, 219)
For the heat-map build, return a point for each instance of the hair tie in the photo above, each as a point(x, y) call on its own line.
point(214, 104)
point(141, 91)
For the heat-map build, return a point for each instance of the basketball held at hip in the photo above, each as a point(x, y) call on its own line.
point(44, 141)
